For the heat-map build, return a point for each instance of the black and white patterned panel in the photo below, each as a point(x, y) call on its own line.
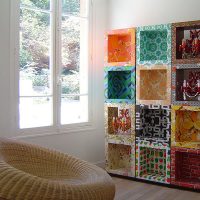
point(173, 79)
point(153, 122)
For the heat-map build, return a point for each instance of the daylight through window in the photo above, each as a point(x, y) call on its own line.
point(53, 60)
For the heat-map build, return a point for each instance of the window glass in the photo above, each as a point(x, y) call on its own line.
point(36, 4)
point(34, 112)
point(48, 90)
point(74, 109)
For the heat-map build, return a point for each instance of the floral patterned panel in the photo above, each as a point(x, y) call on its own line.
point(120, 159)
point(153, 85)
point(188, 73)
point(120, 47)
point(120, 128)
point(186, 42)
point(185, 126)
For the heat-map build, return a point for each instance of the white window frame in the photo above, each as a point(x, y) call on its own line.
point(56, 128)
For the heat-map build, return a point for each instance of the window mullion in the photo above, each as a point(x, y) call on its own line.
point(57, 68)
point(53, 58)
point(35, 9)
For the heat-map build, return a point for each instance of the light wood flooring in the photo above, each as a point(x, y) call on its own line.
point(132, 190)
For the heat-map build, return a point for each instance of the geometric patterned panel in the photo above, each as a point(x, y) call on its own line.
point(120, 47)
point(154, 45)
point(153, 163)
point(185, 127)
point(153, 123)
point(119, 83)
point(120, 159)
point(153, 85)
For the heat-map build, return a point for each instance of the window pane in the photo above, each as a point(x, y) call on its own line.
point(74, 109)
point(37, 4)
point(34, 85)
point(70, 43)
point(35, 74)
point(35, 112)
point(70, 55)
point(74, 55)
point(71, 7)
point(75, 7)
point(70, 83)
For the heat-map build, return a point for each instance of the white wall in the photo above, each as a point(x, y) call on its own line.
point(133, 13)
point(86, 145)
point(4, 68)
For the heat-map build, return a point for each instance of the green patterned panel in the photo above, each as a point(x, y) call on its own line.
point(119, 84)
point(153, 45)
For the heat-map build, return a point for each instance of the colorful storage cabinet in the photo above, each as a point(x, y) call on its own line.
point(152, 103)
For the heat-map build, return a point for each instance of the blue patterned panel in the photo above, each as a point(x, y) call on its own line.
point(119, 84)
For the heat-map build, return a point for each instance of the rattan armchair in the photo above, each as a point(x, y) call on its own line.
point(29, 172)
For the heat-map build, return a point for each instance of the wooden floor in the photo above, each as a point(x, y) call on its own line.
point(132, 190)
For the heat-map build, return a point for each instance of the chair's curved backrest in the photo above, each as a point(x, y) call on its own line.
point(30, 172)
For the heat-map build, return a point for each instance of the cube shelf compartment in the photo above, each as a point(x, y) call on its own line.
point(120, 159)
point(185, 126)
point(186, 85)
point(119, 84)
point(153, 123)
point(120, 47)
point(153, 85)
point(120, 123)
point(185, 165)
point(186, 42)
point(120, 139)
point(154, 45)
point(153, 164)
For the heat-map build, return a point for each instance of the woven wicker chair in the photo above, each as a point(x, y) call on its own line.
point(29, 172)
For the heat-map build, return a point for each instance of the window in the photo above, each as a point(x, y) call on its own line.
point(53, 63)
